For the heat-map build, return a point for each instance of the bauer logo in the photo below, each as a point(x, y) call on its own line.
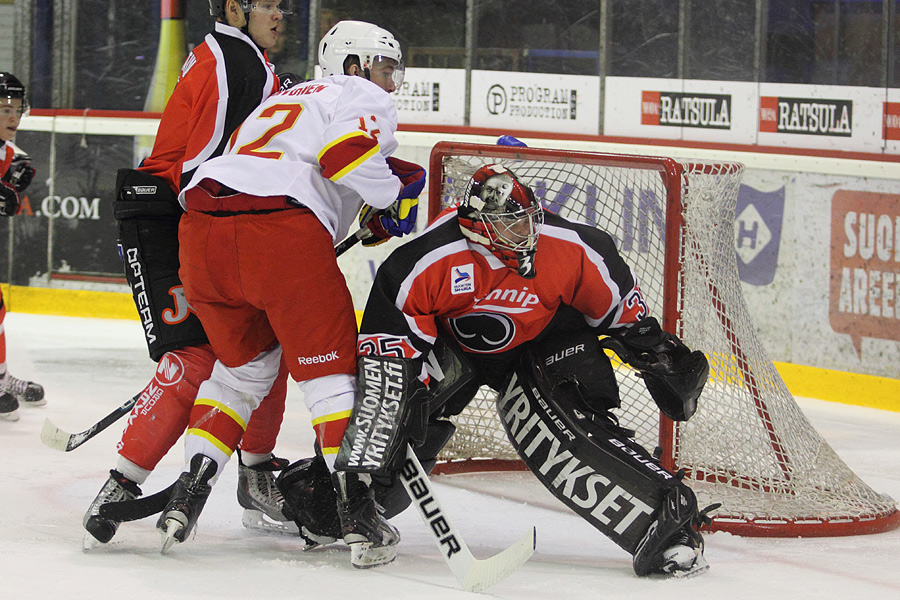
point(462, 279)
point(704, 111)
point(810, 116)
point(865, 266)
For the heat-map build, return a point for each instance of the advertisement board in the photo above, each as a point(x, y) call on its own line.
point(536, 102)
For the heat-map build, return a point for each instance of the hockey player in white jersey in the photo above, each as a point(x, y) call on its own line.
point(259, 267)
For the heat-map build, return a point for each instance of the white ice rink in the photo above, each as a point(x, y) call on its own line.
point(88, 367)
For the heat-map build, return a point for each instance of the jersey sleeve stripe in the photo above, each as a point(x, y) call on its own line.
point(346, 153)
point(192, 162)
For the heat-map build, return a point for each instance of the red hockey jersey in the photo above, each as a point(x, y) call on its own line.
point(6, 155)
point(442, 279)
point(221, 82)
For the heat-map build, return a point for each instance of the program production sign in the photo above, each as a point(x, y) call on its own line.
point(431, 97)
point(535, 102)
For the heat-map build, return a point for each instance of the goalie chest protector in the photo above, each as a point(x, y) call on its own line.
point(605, 477)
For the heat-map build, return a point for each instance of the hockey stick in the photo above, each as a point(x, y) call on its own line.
point(56, 438)
point(351, 241)
point(472, 574)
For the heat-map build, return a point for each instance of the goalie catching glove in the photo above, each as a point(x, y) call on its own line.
point(673, 374)
point(400, 218)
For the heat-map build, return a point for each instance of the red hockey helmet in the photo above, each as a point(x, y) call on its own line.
point(501, 213)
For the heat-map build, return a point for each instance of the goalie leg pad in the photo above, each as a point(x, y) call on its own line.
point(148, 216)
point(589, 464)
point(390, 411)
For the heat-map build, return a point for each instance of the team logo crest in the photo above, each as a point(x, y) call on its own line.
point(170, 370)
point(462, 279)
point(483, 332)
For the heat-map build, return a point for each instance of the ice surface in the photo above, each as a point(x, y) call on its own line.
point(88, 367)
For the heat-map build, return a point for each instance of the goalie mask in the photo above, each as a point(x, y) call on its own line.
point(376, 49)
point(501, 213)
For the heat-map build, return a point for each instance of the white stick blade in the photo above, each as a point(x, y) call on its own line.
point(482, 574)
point(54, 437)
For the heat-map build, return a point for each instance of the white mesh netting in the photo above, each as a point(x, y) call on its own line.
point(749, 445)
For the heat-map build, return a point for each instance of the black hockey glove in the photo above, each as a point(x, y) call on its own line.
point(9, 200)
point(20, 172)
point(673, 374)
point(288, 80)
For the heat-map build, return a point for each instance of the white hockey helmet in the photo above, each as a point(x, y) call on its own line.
point(370, 43)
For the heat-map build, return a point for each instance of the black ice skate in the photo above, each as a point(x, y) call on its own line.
point(9, 407)
point(310, 500)
point(673, 544)
point(261, 499)
point(28, 393)
point(372, 540)
point(117, 488)
point(192, 489)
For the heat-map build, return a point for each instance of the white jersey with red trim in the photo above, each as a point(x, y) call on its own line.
point(323, 143)
point(441, 279)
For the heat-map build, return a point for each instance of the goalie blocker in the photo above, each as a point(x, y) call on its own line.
point(148, 213)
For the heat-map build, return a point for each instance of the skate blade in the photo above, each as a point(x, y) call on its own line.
point(365, 556)
point(699, 567)
point(314, 541)
point(34, 403)
point(10, 416)
point(168, 536)
point(89, 542)
point(257, 520)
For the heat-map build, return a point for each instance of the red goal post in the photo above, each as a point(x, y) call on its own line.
point(749, 446)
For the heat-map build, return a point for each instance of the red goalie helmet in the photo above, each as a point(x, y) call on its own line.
point(501, 213)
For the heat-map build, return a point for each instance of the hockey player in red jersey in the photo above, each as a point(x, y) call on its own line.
point(16, 173)
point(221, 82)
point(500, 292)
point(259, 266)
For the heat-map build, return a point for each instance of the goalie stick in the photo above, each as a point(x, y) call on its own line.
point(472, 574)
point(56, 438)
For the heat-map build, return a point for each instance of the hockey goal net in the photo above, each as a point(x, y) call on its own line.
point(749, 446)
